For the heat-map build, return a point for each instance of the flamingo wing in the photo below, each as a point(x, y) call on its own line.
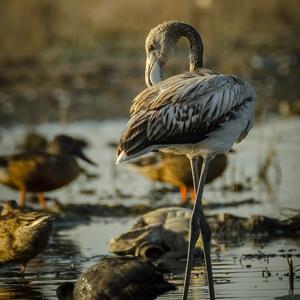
point(184, 109)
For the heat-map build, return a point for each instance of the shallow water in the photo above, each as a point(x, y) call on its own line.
point(75, 247)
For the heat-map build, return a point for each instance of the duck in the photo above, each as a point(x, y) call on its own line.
point(23, 235)
point(117, 278)
point(176, 170)
point(42, 171)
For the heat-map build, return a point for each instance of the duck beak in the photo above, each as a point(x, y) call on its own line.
point(153, 72)
point(82, 156)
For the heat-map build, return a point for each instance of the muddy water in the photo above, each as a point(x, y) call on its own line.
point(75, 246)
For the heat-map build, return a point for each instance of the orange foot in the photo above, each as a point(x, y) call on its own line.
point(184, 191)
point(42, 200)
point(183, 194)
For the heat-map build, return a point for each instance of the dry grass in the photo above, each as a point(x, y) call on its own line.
point(34, 25)
point(93, 50)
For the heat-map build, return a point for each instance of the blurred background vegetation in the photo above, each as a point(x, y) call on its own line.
point(74, 59)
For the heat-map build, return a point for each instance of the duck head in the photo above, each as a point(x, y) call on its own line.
point(66, 145)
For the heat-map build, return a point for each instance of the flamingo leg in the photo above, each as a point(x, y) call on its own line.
point(199, 224)
point(193, 196)
point(22, 197)
point(195, 172)
point(42, 200)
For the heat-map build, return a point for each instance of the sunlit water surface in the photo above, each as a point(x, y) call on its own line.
point(74, 248)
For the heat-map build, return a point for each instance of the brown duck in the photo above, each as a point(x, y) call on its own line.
point(23, 235)
point(176, 170)
point(42, 171)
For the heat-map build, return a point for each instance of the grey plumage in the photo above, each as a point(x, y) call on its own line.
point(185, 109)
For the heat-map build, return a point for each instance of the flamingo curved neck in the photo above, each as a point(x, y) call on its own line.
point(175, 31)
point(160, 43)
point(196, 47)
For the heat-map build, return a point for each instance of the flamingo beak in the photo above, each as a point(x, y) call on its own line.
point(153, 73)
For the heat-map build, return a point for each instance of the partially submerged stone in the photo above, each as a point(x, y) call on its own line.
point(164, 232)
point(118, 278)
point(230, 225)
point(159, 232)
